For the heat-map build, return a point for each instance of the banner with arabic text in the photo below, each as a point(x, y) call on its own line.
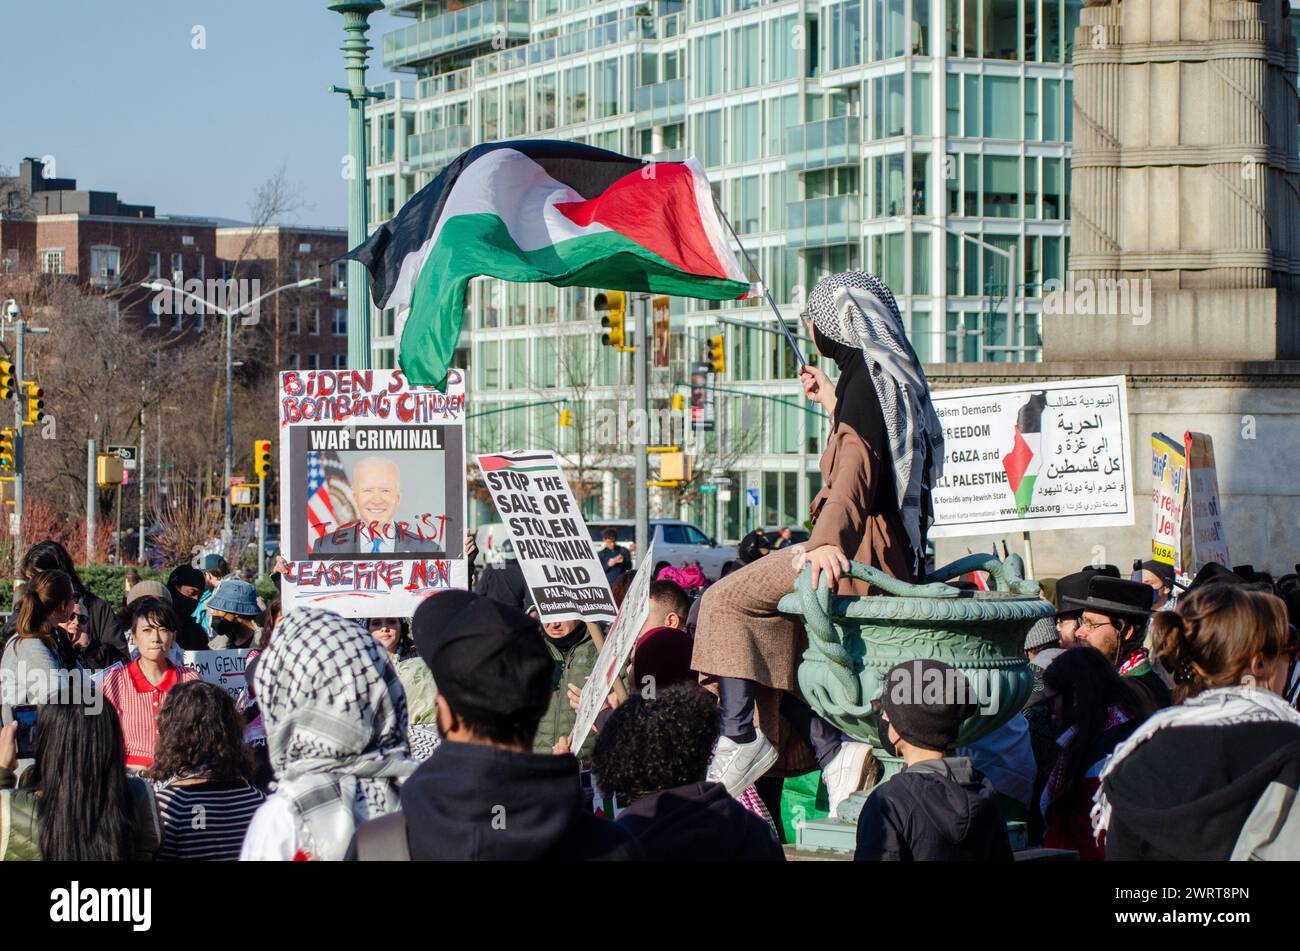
point(1034, 456)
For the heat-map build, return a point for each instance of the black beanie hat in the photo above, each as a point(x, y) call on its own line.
point(487, 658)
point(927, 701)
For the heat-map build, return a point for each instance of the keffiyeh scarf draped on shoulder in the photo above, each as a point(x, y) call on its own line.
point(857, 310)
point(335, 717)
point(1226, 706)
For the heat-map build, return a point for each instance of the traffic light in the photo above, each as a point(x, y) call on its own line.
point(262, 457)
point(35, 404)
point(718, 353)
point(566, 417)
point(6, 449)
point(614, 306)
point(6, 380)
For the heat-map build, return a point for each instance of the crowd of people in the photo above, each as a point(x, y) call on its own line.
point(1161, 726)
point(1162, 722)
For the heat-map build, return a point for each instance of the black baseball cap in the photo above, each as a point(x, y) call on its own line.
point(487, 658)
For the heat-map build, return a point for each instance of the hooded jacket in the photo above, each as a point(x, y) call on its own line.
point(473, 802)
point(1196, 793)
point(699, 823)
point(936, 810)
point(505, 583)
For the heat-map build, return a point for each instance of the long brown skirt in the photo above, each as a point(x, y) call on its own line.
point(740, 633)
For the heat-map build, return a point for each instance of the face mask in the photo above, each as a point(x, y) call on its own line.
point(886, 744)
point(228, 628)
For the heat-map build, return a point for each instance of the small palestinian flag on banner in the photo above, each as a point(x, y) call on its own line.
point(1025, 459)
point(518, 462)
point(539, 210)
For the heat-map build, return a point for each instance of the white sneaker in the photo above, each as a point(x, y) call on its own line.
point(737, 765)
point(843, 774)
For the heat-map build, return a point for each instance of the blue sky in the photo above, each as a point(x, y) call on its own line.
point(117, 93)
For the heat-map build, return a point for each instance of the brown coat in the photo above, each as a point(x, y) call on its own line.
point(740, 632)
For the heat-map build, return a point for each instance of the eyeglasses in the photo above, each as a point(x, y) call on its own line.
point(1094, 625)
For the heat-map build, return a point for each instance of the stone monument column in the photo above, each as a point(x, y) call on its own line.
point(1184, 261)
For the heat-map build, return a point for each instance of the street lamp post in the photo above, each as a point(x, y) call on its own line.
point(356, 22)
point(230, 418)
point(1012, 284)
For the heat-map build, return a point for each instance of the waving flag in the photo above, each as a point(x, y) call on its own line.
point(1025, 459)
point(539, 210)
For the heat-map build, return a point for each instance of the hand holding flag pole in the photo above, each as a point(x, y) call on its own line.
point(780, 321)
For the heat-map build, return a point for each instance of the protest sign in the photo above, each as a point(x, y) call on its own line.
point(1169, 542)
point(225, 668)
point(615, 651)
point(372, 483)
point(1208, 536)
point(551, 539)
point(1034, 456)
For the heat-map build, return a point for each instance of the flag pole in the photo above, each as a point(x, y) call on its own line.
point(780, 321)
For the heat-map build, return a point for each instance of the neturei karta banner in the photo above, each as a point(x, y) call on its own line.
point(1033, 457)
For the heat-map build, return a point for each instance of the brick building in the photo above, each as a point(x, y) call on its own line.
point(50, 227)
point(309, 326)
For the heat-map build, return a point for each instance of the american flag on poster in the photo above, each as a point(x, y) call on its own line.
point(320, 509)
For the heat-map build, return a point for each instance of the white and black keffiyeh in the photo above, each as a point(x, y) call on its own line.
point(857, 310)
point(1224, 706)
point(335, 716)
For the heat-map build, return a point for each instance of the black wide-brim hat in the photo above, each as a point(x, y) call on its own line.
point(1214, 573)
point(1075, 588)
point(1114, 597)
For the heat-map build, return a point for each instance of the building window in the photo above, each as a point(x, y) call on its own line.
point(199, 272)
point(52, 261)
point(155, 265)
point(104, 263)
point(339, 361)
point(295, 362)
point(155, 310)
point(340, 280)
point(178, 321)
point(295, 320)
point(315, 322)
point(313, 361)
point(339, 325)
point(178, 267)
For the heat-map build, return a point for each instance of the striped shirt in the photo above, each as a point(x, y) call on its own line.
point(205, 822)
point(137, 703)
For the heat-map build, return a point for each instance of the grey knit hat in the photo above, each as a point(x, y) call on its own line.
point(1042, 634)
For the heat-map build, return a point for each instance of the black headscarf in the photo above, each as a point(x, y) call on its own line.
point(856, 403)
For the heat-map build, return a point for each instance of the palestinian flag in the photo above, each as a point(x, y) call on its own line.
point(519, 462)
point(538, 210)
point(1025, 458)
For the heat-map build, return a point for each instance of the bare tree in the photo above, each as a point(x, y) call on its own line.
point(593, 444)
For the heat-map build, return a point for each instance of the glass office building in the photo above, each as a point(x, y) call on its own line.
point(912, 138)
